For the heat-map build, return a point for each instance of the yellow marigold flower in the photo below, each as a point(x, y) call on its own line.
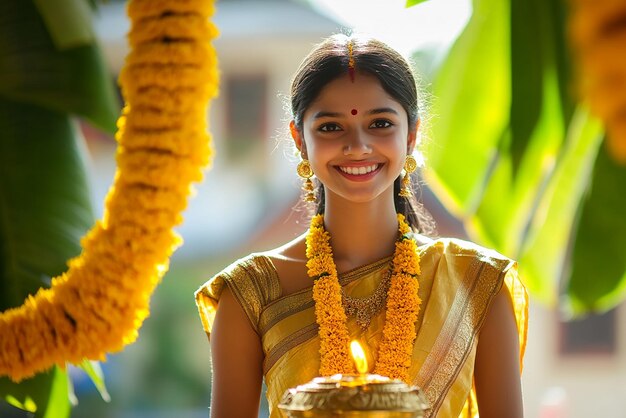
point(161, 219)
point(141, 9)
point(146, 197)
point(588, 19)
point(176, 27)
point(193, 143)
point(598, 36)
point(168, 76)
point(181, 52)
point(158, 170)
point(182, 99)
point(151, 119)
point(616, 140)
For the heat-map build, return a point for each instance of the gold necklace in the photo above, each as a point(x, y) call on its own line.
point(365, 308)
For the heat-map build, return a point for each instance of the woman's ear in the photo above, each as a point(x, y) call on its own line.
point(412, 137)
point(297, 138)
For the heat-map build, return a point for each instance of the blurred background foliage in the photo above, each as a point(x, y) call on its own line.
point(514, 154)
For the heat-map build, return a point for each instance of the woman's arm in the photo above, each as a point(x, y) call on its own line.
point(497, 368)
point(237, 358)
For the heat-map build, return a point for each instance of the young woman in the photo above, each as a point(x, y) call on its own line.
point(446, 315)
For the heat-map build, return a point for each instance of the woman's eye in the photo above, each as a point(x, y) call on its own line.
point(381, 123)
point(329, 127)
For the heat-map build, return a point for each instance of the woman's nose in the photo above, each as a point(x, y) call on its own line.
point(357, 143)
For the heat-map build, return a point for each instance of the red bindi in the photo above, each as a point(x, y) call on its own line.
point(354, 111)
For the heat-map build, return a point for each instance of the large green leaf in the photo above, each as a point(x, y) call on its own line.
point(68, 22)
point(501, 160)
point(44, 210)
point(598, 276)
point(44, 198)
point(560, 54)
point(527, 154)
point(33, 70)
point(544, 253)
point(527, 62)
point(512, 194)
point(58, 400)
point(471, 107)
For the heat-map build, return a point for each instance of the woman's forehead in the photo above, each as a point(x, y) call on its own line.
point(344, 95)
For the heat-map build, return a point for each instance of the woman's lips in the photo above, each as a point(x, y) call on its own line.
point(360, 172)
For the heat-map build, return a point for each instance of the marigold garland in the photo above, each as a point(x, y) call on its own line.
point(597, 30)
point(98, 305)
point(403, 304)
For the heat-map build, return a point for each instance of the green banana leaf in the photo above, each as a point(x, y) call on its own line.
point(45, 211)
point(512, 158)
point(527, 62)
point(471, 101)
point(45, 198)
point(544, 253)
point(516, 183)
point(68, 22)
point(598, 279)
point(534, 135)
point(45, 395)
point(33, 70)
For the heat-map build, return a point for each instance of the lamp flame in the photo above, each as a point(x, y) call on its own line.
point(358, 355)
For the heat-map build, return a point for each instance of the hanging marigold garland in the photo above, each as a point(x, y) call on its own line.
point(98, 305)
point(598, 36)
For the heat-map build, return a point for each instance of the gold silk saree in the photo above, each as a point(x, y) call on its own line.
point(457, 284)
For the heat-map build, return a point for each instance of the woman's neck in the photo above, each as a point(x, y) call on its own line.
point(360, 233)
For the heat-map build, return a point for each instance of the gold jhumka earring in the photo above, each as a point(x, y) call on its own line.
point(410, 165)
point(306, 172)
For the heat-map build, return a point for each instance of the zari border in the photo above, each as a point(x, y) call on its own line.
point(295, 339)
point(301, 301)
point(278, 309)
point(442, 366)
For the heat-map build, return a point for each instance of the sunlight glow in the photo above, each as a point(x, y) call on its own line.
point(432, 24)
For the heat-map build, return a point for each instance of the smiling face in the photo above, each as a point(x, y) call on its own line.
point(356, 137)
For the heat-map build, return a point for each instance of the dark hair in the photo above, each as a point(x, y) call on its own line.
point(329, 60)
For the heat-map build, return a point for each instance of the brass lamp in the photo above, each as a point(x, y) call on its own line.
point(354, 395)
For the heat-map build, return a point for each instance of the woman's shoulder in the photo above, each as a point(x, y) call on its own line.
point(289, 263)
point(251, 265)
point(262, 270)
point(252, 281)
point(250, 278)
point(456, 246)
point(459, 251)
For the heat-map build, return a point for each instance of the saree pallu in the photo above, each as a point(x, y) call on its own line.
point(457, 284)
